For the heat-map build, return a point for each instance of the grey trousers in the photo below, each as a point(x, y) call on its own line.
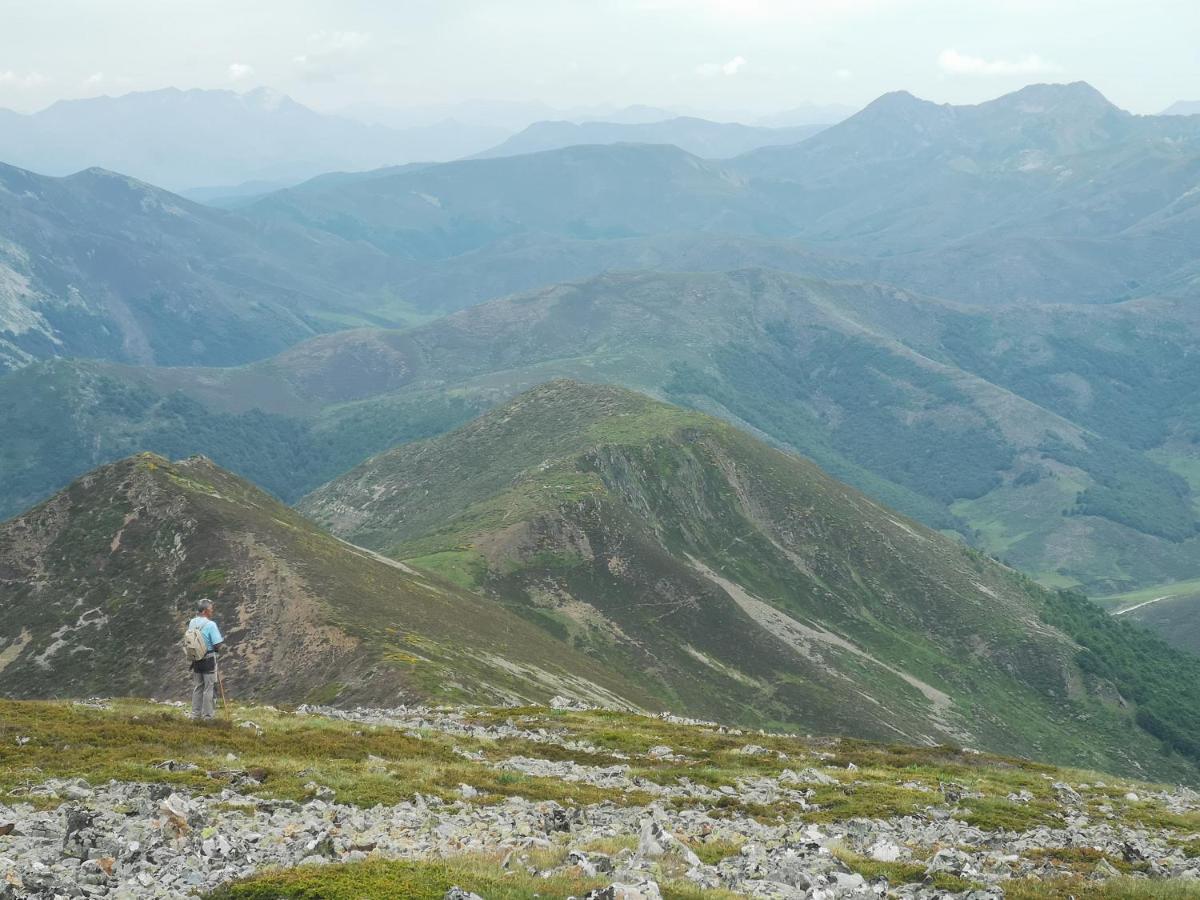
point(203, 686)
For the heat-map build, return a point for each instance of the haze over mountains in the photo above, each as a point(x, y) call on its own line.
point(981, 317)
point(223, 145)
point(204, 138)
point(712, 140)
point(1183, 108)
point(1048, 195)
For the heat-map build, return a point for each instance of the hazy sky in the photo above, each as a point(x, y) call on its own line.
point(756, 56)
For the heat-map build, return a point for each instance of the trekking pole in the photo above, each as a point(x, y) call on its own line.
point(224, 699)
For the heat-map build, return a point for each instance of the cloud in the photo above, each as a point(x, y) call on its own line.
point(339, 41)
point(843, 74)
point(28, 80)
point(756, 12)
point(94, 79)
point(240, 71)
point(331, 53)
point(956, 63)
point(709, 70)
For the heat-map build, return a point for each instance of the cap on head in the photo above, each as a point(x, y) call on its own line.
point(204, 605)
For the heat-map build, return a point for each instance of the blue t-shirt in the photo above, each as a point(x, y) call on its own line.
point(208, 628)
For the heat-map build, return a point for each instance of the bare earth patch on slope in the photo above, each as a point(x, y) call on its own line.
point(806, 639)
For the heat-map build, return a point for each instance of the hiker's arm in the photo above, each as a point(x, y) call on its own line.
point(219, 647)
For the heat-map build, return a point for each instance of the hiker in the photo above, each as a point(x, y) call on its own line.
point(201, 642)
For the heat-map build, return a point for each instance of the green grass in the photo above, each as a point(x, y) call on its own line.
point(1113, 889)
point(994, 814)
point(466, 568)
point(901, 872)
point(127, 743)
point(868, 801)
point(712, 851)
point(367, 765)
point(1083, 860)
point(415, 880)
point(377, 879)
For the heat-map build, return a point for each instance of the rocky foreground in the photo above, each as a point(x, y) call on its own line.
point(759, 815)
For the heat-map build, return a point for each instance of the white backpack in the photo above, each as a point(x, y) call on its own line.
point(195, 648)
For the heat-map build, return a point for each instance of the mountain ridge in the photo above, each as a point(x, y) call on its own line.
point(1036, 439)
point(623, 523)
point(137, 543)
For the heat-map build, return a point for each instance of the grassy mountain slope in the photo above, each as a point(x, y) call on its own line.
point(735, 581)
point(1058, 438)
point(98, 582)
point(533, 260)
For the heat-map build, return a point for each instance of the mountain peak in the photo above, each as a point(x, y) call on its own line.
point(896, 101)
point(571, 391)
point(1075, 95)
point(897, 110)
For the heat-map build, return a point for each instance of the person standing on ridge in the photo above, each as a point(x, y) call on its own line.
point(201, 643)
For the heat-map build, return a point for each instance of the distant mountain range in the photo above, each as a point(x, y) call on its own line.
point(509, 116)
point(700, 137)
point(193, 139)
point(1047, 195)
point(807, 114)
point(1050, 194)
point(992, 328)
point(588, 541)
point(220, 145)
